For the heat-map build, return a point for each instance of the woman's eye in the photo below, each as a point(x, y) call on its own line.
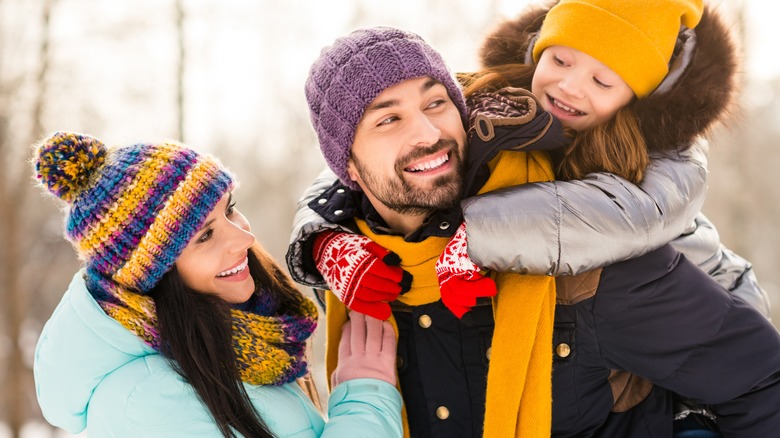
point(205, 236)
point(231, 208)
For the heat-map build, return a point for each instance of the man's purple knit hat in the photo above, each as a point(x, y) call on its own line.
point(352, 72)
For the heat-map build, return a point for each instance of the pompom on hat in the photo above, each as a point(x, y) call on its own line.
point(131, 210)
point(353, 71)
point(634, 38)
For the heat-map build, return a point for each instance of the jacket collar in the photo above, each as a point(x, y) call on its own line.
point(340, 204)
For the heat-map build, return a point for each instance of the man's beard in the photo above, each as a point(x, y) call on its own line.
point(404, 197)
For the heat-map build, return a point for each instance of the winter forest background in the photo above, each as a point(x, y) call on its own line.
point(227, 77)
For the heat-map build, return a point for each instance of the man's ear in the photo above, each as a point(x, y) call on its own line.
point(352, 170)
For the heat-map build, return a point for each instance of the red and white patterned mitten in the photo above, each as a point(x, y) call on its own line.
point(361, 273)
point(460, 281)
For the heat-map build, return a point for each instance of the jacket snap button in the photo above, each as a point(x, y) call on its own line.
point(442, 412)
point(444, 225)
point(563, 350)
point(425, 321)
point(487, 353)
point(340, 191)
point(338, 212)
point(322, 201)
point(399, 362)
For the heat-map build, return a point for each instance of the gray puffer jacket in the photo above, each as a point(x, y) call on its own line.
point(571, 227)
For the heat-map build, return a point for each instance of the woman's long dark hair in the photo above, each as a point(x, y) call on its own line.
point(196, 334)
point(616, 146)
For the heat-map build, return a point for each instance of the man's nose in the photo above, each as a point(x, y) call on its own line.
point(425, 130)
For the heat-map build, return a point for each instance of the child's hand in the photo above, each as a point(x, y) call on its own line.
point(361, 273)
point(460, 281)
point(367, 350)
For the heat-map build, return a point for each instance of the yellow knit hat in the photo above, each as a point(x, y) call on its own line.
point(634, 38)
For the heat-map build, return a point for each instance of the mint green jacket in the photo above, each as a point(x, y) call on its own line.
point(93, 374)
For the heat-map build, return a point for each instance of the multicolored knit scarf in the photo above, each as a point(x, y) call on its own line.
point(269, 345)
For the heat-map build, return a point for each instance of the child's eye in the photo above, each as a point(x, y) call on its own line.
point(231, 208)
point(558, 61)
point(601, 84)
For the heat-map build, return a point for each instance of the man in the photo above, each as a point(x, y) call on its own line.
point(391, 121)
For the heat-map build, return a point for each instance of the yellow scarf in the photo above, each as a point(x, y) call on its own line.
point(519, 388)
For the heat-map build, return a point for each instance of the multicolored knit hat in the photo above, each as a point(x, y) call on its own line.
point(352, 72)
point(634, 38)
point(133, 209)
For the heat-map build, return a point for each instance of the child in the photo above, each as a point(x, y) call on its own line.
point(698, 92)
point(181, 324)
point(622, 103)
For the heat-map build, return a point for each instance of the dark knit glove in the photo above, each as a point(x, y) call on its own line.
point(366, 350)
point(361, 273)
point(460, 281)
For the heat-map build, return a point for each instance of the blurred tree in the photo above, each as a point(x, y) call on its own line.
point(16, 233)
point(180, 69)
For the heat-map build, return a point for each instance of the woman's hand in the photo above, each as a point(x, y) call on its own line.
point(367, 350)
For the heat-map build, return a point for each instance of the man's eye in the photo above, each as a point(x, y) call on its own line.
point(387, 120)
point(437, 103)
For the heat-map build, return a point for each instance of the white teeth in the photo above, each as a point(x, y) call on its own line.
point(430, 164)
point(235, 270)
point(564, 107)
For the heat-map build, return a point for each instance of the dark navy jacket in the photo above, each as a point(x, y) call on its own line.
point(660, 317)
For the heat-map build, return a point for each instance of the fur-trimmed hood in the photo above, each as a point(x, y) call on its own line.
point(703, 96)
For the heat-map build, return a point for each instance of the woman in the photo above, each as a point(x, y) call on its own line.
point(180, 324)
